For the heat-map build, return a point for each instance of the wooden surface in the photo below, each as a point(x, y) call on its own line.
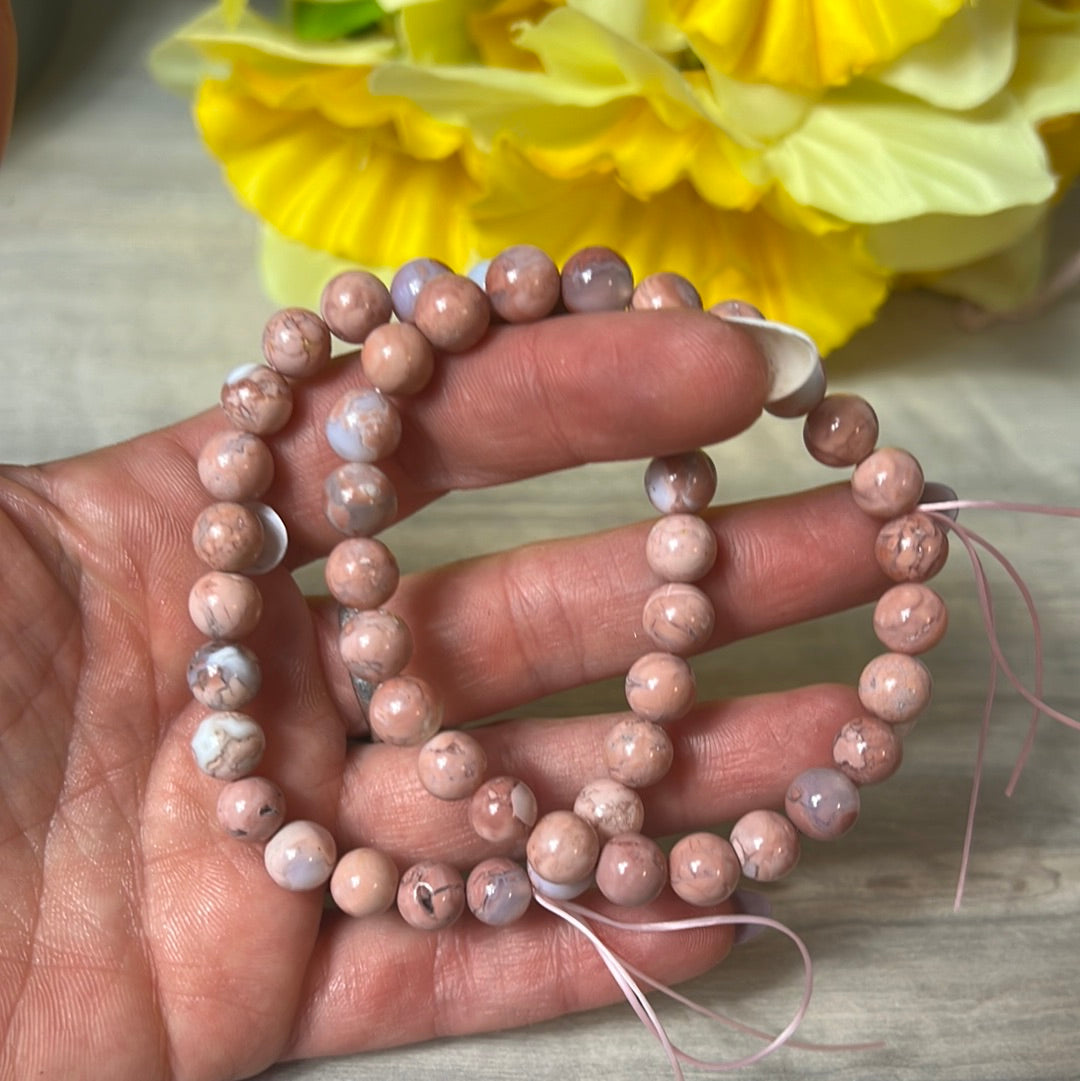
point(127, 288)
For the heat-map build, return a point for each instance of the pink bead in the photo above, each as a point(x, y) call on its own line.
point(404, 711)
point(822, 803)
point(236, 466)
point(251, 809)
point(637, 753)
point(681, 483)
point(375, 644)
point(741, 309)
point(296, 342)
point(703, 869)
point(680, 548)
point(227, 536)
point(523, 284)
point(225, 606)
point(660, 687)
point(431, 895)
point(452, 312)
point(228, 745)
point(360, 500)
point(498, 891)
point(665, 290)
point(912, 548)
point(361, 572)
point(910, 618)
point(631, 870)
point(451, 765)
point(364, 882)
point(610, 808)
point(596, 279)
point(766, 844)
point(257, 399)
point(223, 675)
point(354, 303)
point(895, 687)
point(678, 618)
point(868, 750)
point(363, 426)
point(503, 811)
point(300, 856)
point(397, 359)
point(888, 483)
point(841, 430)
point(562, 847)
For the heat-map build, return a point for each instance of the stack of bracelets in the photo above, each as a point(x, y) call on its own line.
point(429, 311)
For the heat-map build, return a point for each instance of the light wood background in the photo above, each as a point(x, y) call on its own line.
point(127, 288)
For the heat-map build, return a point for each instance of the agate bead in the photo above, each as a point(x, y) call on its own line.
point(360, 500)
point(300, 856)
point(451, 765)
point(410, 278)
point(911, 548)
point(665, 290)
point(680, 548)
point(868, 750)
point(228, 745)
point(740, 309)
point(681, 483)
point(375, 644)
point(766, 844)
point(353, 303)
point(257, 399)
point(596, 279)
point(363, 426)
point(523, 284)
point(842, 430)
point(223, 675)
point(888, 483)
point(910, 618)
point(703, 868)
point(660, 687)
point(631, 870)
point(364, 882)
point(361, 572)
point(502, 811)
point(251, 809)
point(404, 711)
point(498, 891)
point(895, 687)
point(610, 807)
point(296, 342)
point(559, 891)
point(397, 359)
point(235, 466)
point(822, 803)
point(452, 312)
point(678, 617)
point(562, 847)
point(225, 606)
point(227, 536)
point(637, 753)
point(431, 895)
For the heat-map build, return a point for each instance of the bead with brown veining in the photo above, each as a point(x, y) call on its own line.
point(451, 765)
point(225, 606)
point(841, 430)
point(523, 284)
point(911, 548)
point(767, 845)
point(660, 687)
point(431, 895)
point(503, 811)
point(251, 809)
point(631, 870)
point(637, 753)
point(227, 536)
point(888, 483)
point(360, 500)
point(257, 399)
point(361, 572)
point(375, 644)
point(678, 617)
point(562, 847)
point(610, 807)
point(680, 548)
point(868, 750)
point(895, 687)
point(404, 711)
point(498, 891)
point(910, 618)
point(353, 303)
point(296, 342)
point(703, 868)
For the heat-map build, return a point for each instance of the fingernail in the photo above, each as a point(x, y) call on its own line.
point(751, 903)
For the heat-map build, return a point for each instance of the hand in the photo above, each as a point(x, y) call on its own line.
point(137, 942)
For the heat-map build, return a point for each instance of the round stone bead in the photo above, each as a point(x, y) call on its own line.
point(562, 847)
point(660, 687)
point(741, 309)
point(637, 753)
point(678, 617)
point(296, 342)
point(223, 675)
point(406, 284)
point(354, 303)
point(451, 765)
point(375, 644)
point(251, 809)
point(452, 312)
point(228, 745)
point(631, 870)
point(559, 891)
point(364, 882)
point(910, 618)
point(431, 895)
point(822, 803)
point(503, 811)
point(360, 500)
point(235, 466)
point(767, 845)
point(361, 572)
point(227, 536)
point(610, 808)
point(498, 891)
point(596, 279)
point(868, 750)
point(404, 711)
point(888, 483)
point(397, 359)
point(703, 869)
point(895, 687)
point(523, 284)
point(363, 426)
point(841, 430)
point(300, 856)
point(681, 483)
point(912, 548)
point(680, 548)
point(225, 606)
point(665, 290)
point(257, 399)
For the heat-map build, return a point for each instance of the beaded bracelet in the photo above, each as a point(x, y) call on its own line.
point(599, 842)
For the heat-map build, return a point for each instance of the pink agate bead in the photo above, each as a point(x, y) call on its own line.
point(257, 399)
point(703, 869)
point(451, 765)
point(353, 303)
point(895, 687)
point(300, 856)
point(251, 809)
point(228, 745)
point(361, 572)
point(404, 711)
point(452, 312)
point(631, 870)
point(364, 882)
point(610, 808)
point(296, 342)
point(225, 606)
point(502, 811)
point(363, 426)
point(431, 895)
point(665, 290)
point(868, 750)
point(766, 844)
point(397, 359)
point(410, 278)
point(680, 548)
point(223, 675)
point(678, 617)
point(227, 536)
point(841, 430)
point(637, 753)
point(822, 803)
point(523, 284)
point(910, 618)
point(660, 687)
point(912, 548)
point(681, 483)
point(888, 483)
point(596, 279)
point(360, 500)
point(741, 309)
point(235, 466)
point(498, 891)
point(375, 644)
point(562, 848)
